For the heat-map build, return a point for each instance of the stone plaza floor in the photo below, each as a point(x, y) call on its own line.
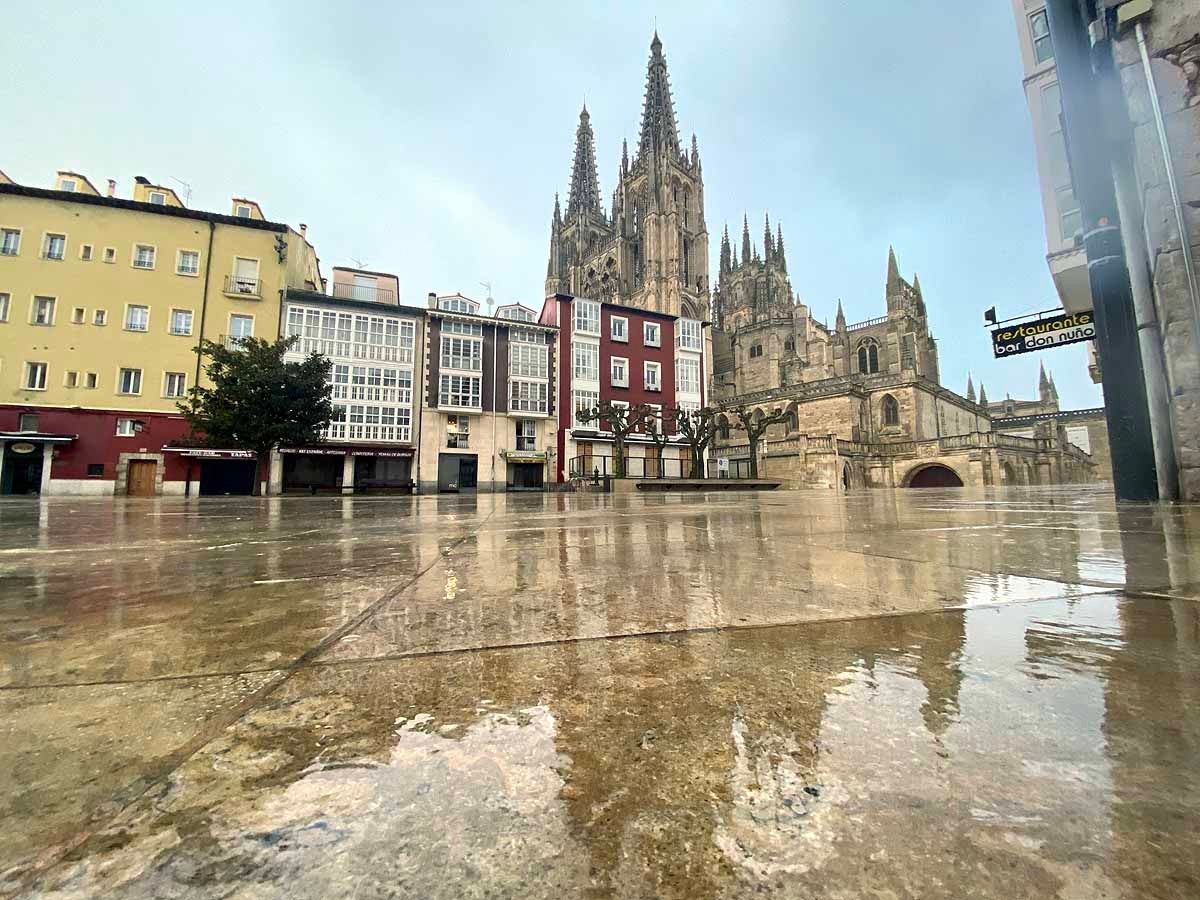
point(939, 693)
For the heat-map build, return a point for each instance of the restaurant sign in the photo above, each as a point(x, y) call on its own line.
point(1042, 334)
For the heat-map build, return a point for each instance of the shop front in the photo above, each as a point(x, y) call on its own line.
point(346, 469)
point(25, 461)
point(458, 473)
point(210, 472)
point(526, 471)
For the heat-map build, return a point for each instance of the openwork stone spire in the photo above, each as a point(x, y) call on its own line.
point(585, 185)
point(658, 113)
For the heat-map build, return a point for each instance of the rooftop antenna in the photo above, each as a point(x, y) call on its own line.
point(359, 263)
point(490, 301)
point(187, 190)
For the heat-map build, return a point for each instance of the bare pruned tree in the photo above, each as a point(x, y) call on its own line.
point(755, 429)
point(697, 428)
point(623, 421)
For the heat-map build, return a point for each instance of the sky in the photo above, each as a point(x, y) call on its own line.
point(429, 140)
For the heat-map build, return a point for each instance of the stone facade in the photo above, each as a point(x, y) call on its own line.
point(650, 251)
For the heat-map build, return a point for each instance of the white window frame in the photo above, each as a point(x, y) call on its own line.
point(689, 335)
point(1033, 37)
point(110, 255)
point(68, 185)
point(623, 335)
point(458, 432)
point(237, 211)
point(190, 322)
point(528, 396)
point(468, 387)
point(71, 379)
point(623, 363)
point(135, 378)
point(584, 400)
point(136, 256)
point(100, 317)
point(587, 369)
point(167, 378)
point(526, 430)
point(33, 311)
point(86, 252)
point(687, 385)
point(528, 360)
point(127, 322)
point(126, 427)
point(36, 384)
point(187, 273)
point(656, 367)
point(240, 316)
point(461, 354)
point(649, 328)
point(5, 305)
point(78, 315)
point(5, 244)
point(161, 198)
point(587, 317)
point(46, 243)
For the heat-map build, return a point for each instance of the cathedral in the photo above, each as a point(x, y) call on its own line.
point(650, 250)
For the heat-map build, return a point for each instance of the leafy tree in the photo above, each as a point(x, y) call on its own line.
point(697, 428)
point(257, 400)
point(624, 421)
point(755, 429)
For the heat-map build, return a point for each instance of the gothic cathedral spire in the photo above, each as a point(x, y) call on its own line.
point(745, 239)
point(585, 185)
point(658, 112)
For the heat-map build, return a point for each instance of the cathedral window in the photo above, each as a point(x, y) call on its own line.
point(684, 261)
point(873, 358)
point(889, 410)
point(789, 346)
point(868, 358)
point(756, 351)
point(723, 428)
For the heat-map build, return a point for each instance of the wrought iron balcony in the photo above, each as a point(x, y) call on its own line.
point(237, 286)
point(234, 341)
point(369, 293)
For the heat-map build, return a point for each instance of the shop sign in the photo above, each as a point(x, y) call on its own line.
point(22, 447)
point(342, 451)
point(200, 453)
point(526, 457)
point(1043, 334)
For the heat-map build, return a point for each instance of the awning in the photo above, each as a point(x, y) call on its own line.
point(210, 453)
point(356, 449)
point(526, 457)
point(37, 437)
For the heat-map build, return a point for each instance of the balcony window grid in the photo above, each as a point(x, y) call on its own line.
point(453, 326)
point(581, 401)
point(687, 376)
point(529, 396)
point(526, 336)
point(526, 435)
point(462, 353)
point(688, 336)
point(587, 362)
point(460, 390)
point(587, 317)
point(528, 360)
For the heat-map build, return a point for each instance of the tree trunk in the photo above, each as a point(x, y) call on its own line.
point(618, 457)
point(262, 467)
point(754, 458)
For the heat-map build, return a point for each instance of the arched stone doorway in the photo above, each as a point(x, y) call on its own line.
point(934, 476)
point(1010, 474)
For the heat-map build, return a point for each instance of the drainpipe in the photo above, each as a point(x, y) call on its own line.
point(495, 354)
point(419, 399)
point(204, 299)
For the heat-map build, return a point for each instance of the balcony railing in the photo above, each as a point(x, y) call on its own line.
point(597, 467)
point(369, 293)
point(238, 286)
point(234, 341)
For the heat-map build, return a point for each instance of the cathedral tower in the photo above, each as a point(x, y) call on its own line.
point(652, 250)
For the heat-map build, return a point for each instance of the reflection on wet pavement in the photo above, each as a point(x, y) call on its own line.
point(960, 695)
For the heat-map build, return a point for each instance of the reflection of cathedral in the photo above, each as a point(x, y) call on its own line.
point(651, 250)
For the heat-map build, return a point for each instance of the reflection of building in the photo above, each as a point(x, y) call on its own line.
point(625, 356)
point(489, 417)
point(651, 250)
point(372, 344)
point(103, 301)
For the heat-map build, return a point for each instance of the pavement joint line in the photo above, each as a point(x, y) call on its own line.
point(161, 768)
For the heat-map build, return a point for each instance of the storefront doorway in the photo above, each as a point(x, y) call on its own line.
point(227, 477)
point(383, 473)
point(141, 478)
point(525, 476)
point(303, 472)
point(457, 472)
point(22, 469)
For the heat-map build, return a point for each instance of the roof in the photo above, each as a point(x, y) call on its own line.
point(365, 272)
point(318, 297)
point(633, 309)
point(180, 212)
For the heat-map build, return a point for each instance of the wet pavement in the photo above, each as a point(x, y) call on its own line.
point(910, 694)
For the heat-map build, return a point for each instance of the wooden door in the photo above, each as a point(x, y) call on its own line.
point(142, 473)
point(685, 462)
point(653, 464)
point(583, 451)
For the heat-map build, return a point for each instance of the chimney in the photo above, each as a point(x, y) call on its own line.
point(432, 300)
point(112, 188)
point(141, 179)
point(303, 229)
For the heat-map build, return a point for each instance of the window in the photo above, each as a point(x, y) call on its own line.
point(1039, 29)
point(143, 256)
point(181, 321)
point(43, 310)
point(56, 246)
point(137, 318)
point(469, 328)
point(460, 390)
point(71, 380)
point(619, 371)
point(67, 184)
point(244, 279)
point(241, 327)
point(527, 360)
point(652, 376)
point(129, 381)
point(188, 262)
point(85, 252)
point(587, 362)
point(126, 428)
point(91, 380)
point(687, 376)
point(789, 346)
point(158, 198)
point(889, 410)
point(78, 315)
point(35, 376)
point(618, 329)
point(587, 317)
point(5, 301)
point(10, 241)
point(174, 384)
point(517, 314)
point(95, 470)
point(526, 336)
point(528, 396)
point(651, 334)
point(242, 212)
point(585, 401)
point(756, 351)
point(110, 254)
point(688, 336)
point(458, 304)
point(526, 435)
point(1070, 219)
point(458, 432)
point(27, 422)
point(100, 317)
point(868, 358)
point(462, 353)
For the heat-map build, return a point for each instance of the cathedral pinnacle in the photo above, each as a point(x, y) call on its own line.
point(585, 185)
point(746, 254)
point(779, 248)
point(768, 240)
point(557, 211)
point(970, 388)
point(982, 395)
point(893, 275)
point(839, 324)
point(658, 112)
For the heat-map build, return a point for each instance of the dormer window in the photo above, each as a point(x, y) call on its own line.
point(67, 184)
point(458, 304)
point(158, 198)
point(242, 211)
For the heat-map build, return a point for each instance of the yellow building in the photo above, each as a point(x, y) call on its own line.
point(103, 301)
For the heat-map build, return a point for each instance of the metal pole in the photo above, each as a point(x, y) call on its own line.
point(1125, 407)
